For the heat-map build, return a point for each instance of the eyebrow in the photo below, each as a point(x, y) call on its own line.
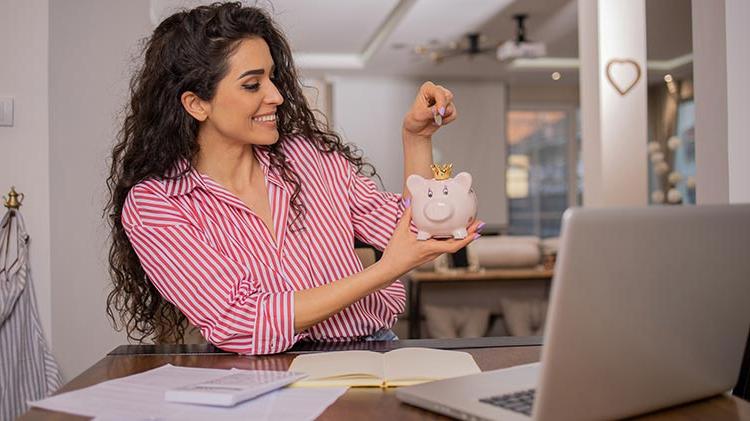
point(254, 72)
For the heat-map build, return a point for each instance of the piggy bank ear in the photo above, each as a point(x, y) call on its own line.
point(414, 183)
point(463, 179)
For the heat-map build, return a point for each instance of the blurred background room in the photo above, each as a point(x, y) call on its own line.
point(535, 84)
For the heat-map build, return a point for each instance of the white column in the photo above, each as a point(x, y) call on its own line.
point(738, 97)
point(614, 126)
point(710, 91)
point(722, 114)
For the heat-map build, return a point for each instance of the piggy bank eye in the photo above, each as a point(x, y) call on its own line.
point(429, 192)
point(445, 190)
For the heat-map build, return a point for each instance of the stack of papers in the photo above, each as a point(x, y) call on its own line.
point(141, 397)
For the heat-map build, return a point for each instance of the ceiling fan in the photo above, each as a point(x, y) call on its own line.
point(473, 45)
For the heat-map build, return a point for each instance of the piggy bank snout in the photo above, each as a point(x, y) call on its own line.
point(438, 211)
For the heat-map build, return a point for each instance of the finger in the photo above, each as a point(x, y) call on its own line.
point(424, 91)
point(475, 226)
point(441, 101)
point(436, 97)
point(456, 245)
point(405, 221)
point(466, 241)
point(452, 245)
point(448, 94)
point(450, 113)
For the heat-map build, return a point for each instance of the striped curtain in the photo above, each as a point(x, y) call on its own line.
point(27, 369)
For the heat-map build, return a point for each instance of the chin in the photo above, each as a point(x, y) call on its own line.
point(265, 140)
point(271, 140)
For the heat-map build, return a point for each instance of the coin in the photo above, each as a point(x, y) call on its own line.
point(438, 119)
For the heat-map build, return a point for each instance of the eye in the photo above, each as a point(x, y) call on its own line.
point(445, 190)
point(253, 87)
point(429, 192)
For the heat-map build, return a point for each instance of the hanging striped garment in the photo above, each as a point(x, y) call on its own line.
point(27, 369)
point(214, 258)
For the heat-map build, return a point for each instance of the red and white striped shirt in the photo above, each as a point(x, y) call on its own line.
point(211, 256)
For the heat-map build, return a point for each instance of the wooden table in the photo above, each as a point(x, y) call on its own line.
point(417, 279)
point(358, 403)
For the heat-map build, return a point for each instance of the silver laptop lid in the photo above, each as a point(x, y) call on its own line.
point(650, 307)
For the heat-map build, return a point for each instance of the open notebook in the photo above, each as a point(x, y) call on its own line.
point(401, 367)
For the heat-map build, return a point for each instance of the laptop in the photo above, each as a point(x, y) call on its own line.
point(649, 308)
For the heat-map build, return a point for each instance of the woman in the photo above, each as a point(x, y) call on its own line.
point(234, 208)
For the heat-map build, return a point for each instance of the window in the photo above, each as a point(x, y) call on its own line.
point(543, 170)
point(684, 155)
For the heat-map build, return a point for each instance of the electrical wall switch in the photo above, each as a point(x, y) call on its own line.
point(6, 111)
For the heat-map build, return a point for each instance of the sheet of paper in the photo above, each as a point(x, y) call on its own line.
point(141, 397)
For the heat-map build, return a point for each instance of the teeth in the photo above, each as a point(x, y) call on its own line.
point(271, 117)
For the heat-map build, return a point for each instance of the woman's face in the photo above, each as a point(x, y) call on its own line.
point(243, 108)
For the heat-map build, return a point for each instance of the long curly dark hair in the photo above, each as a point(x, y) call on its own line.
point(189, 51)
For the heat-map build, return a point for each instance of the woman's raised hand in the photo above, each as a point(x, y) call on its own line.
point(431, 100)
point(404, 252)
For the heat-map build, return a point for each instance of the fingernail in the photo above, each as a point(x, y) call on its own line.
point(407, 202)
point(479, 228)
point(477, 235)
point(442, 111)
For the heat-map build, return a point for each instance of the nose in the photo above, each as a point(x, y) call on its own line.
point(438, 211)
point(274, 97)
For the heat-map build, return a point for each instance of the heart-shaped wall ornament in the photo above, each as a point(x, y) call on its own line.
point(623, 74)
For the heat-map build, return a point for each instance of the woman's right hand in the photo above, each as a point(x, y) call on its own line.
point(404, 252)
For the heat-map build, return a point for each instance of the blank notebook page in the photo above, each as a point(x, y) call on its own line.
point(425, 363)
point(343, 363)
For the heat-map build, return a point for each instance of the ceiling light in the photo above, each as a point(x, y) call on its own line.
point(556, 75)
point(668, 78)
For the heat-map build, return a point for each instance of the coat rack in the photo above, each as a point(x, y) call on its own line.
point(14, 199)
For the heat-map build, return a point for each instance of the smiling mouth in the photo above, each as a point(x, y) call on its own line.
point(271, 118)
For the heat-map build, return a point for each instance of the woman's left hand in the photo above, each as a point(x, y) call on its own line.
point(431, 100)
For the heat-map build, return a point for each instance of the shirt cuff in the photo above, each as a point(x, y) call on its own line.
point(274, 328)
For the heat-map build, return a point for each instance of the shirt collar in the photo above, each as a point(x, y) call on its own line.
point(272, 174)
point(181, 179)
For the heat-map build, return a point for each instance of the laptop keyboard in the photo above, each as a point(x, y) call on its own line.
point(518, 402)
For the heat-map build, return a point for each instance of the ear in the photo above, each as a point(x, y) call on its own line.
point(414, 183)
point(195, 106)
point(463, 179)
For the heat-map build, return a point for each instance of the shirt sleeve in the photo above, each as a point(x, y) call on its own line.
point(375, 215)
point(216, 294)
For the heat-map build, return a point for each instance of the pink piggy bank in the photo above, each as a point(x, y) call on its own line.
point(443, 206)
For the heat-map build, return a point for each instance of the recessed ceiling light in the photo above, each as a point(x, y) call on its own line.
point(668, 78)
point(556, 75)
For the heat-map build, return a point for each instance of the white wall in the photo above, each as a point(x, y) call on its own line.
point(91, 45)
point(722, 128)
point(476, 142)
point(369, 111)
point(24, 148)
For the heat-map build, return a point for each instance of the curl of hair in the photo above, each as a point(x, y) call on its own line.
point(189, 51)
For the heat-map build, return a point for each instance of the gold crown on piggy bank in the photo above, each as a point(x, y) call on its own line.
point(442, 171)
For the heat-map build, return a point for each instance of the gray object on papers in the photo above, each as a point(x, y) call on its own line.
point(232, 389)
